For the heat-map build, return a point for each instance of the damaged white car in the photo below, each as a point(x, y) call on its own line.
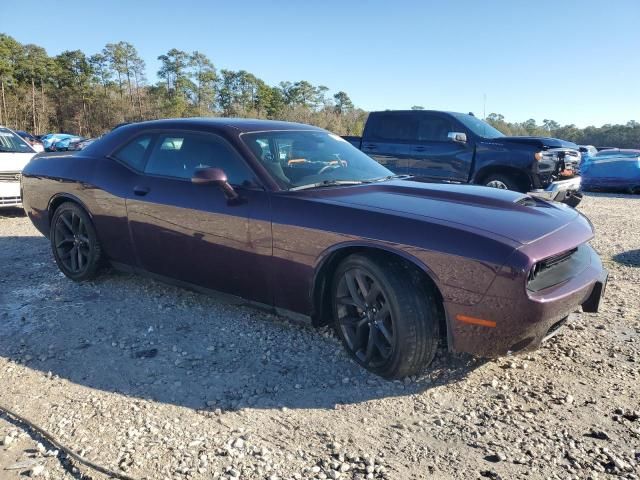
point(15, 153)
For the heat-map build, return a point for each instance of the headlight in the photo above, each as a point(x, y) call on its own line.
point(537, 156)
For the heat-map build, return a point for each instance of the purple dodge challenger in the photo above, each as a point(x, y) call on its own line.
point(295, 218)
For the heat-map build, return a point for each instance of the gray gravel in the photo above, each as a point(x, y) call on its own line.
point(160, 382)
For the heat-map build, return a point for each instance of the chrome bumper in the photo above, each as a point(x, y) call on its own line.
point(558, 191)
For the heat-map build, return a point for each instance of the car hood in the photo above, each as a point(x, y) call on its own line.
point(14, 162)
point(510, 215)
point(540, 142)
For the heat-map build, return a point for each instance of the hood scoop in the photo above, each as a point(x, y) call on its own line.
point(526, 201)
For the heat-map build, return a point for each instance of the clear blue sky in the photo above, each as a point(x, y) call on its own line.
point(569, 60)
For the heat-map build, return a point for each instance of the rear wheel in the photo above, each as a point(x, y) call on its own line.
point(74, 242)
point(386, 320)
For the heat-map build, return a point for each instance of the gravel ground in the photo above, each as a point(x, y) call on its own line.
point(160, 382)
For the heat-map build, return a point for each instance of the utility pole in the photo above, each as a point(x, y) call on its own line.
point(484, 107)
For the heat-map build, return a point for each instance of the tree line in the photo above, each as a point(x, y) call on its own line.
point(622, 136)
point(90, 94)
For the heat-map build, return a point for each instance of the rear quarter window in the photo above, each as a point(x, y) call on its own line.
point(134, 153)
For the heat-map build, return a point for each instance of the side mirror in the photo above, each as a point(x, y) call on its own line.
point(214, 176)
point(458, 137)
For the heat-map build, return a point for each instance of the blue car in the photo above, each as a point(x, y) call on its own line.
point(63, 144)
point(51, 139)
point(614, 169)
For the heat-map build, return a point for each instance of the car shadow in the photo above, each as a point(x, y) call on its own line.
point(630, 258)
point(131, 335)
point(11, 212)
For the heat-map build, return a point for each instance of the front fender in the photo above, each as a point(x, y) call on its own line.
point(330, 258)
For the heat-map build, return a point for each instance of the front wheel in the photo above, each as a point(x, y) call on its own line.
point(74, 242)
point(386, 319)
point(503, 182)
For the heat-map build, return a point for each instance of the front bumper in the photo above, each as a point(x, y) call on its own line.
point(560, 191)
point(523, 323)
point(10, 194)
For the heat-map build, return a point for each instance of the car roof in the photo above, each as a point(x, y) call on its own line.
point(618, 152)
point(240, 124)
point(423, 111)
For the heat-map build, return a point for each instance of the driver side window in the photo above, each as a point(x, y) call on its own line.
point(434, 129)
point(179, 154)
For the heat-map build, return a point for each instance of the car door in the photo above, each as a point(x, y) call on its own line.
point(435, 155)
point(388, 139)
point(193, 233)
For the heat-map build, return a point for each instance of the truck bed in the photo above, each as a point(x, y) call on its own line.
point(353, 140)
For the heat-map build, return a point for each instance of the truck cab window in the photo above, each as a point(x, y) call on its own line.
point(393, 127)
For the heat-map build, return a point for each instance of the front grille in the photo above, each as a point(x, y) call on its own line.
point(571, 159)
point(550, 262)
point(10, 176)
point(563, 158)
point(10, 201)
point(558, 268)
point(556, 259)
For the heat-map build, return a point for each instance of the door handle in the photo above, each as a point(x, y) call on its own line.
point(370, 147)
point(140, 191)
point(420, 149)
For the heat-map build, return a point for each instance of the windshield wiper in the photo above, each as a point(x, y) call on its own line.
point(327, 183)
point(392, 177)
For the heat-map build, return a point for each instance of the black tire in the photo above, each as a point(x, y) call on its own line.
point(402, 320)
point(74, 243)
point(502, 181)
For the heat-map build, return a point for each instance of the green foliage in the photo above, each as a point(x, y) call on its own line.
point(622, 136)
point(343, 102)
point(88, 95)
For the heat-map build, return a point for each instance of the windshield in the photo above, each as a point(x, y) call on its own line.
point(12, 143)
point(297, 158)
point(479, 127)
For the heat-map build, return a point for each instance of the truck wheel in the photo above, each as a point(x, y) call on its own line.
point(503, 182)
point(387, 321)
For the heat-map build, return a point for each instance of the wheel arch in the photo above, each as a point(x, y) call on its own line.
point(60, 198)
point(331, 258)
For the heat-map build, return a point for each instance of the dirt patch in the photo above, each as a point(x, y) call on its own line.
point(160, 382)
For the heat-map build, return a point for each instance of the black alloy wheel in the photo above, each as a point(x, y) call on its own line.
point(365, 318)
point(74, 243)
point(386, 317)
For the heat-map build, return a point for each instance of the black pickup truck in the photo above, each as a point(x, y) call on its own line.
point(458, 147)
